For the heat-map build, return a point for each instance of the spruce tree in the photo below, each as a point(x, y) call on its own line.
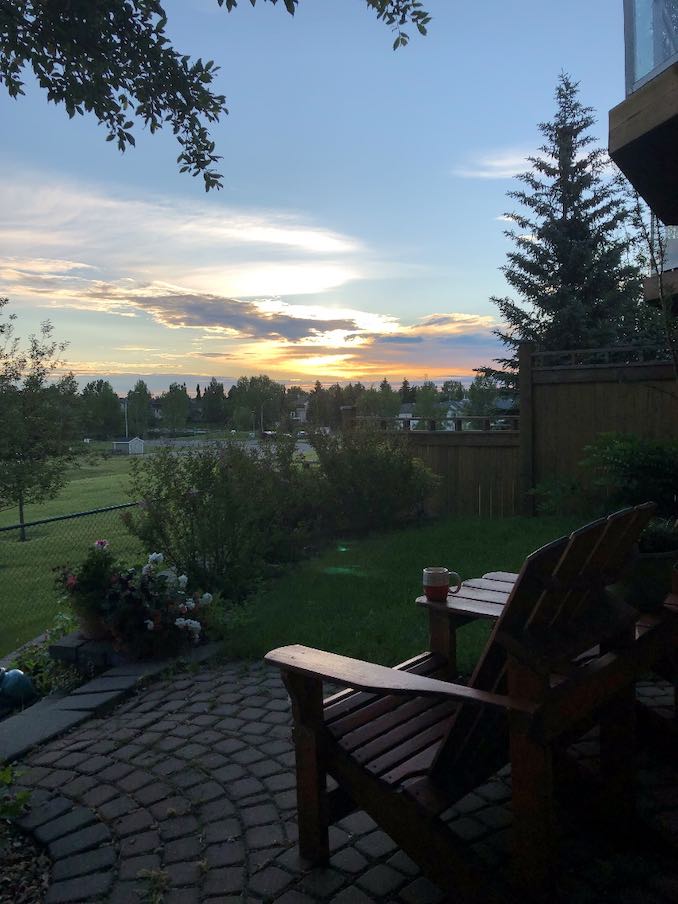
point(571, 267)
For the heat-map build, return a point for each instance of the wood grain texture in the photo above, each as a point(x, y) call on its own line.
point(571, 407)
point(479, 471)
point(370, 677)
point(563, 656)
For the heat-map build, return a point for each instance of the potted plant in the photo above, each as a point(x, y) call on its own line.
point(145, 611)
point(86, 588)
point(648, 577)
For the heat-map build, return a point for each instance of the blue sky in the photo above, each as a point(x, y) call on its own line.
point(358, 233)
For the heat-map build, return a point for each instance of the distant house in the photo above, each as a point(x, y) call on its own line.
point(299, 412)
point(132, 446)
point(452, 409)
point(406, 412)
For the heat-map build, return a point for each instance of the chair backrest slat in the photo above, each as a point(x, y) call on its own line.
point(602, 567)
point(476, 740)
point(558, 596)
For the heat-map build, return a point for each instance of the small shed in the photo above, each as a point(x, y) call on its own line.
point(131, 446)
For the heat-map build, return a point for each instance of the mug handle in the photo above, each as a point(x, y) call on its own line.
point(453, 574)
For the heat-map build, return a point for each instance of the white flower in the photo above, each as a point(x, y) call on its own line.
point(206, 599)
point(180, 622)
point(183, 580)
point(195, 628)
point(149, 624)
point(146, 569)
point(169, 575)
point(156, 558)
point(190, 604)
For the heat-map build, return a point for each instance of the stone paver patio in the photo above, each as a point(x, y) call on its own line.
point(185, 793)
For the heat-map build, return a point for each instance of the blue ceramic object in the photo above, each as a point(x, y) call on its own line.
point(15, 687)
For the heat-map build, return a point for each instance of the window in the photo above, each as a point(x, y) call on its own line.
point(651, 28)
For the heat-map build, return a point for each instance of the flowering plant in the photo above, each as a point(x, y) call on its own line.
point(148, 611)
point(84, 587)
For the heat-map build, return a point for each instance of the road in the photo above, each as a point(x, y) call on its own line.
point(189, 443)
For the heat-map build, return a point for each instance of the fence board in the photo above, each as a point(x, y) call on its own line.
point(571, 406)
point(479, 471)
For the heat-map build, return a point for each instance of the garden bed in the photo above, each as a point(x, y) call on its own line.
point(25, 868)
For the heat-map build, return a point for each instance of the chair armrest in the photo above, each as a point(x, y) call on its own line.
point(378, 678)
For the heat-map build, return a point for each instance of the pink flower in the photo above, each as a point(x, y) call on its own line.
point(101, 545)
point(71, 582)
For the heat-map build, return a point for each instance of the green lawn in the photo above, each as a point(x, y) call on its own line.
point(94, 485)
point(29, 599)
point(358, 598)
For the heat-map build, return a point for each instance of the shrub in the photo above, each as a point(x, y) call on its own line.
point(150, 612)
point(660, 535)
point(224, 514)
point(628, 470)
point(371, 479)
point(563, 497)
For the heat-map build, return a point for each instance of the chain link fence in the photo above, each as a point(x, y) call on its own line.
point(29, 596)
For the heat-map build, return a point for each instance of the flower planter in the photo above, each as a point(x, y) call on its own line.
point(647, 580)
point(144, 613)
point(92, 627)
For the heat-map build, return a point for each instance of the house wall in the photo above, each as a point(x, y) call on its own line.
point(480, 471)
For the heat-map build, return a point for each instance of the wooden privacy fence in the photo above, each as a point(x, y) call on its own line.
point(479, 470)
point(568, 398)
point(477, 459)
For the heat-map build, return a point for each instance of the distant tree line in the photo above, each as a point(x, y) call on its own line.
point(252, 404)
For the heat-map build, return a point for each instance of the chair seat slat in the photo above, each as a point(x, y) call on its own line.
point(355, 700)
point(402, 731)
point(401, 709)
point(420, 762)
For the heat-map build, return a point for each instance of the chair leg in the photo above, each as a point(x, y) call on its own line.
point(534, 834)
point(312, 806)
point(618, 757)
point(534, 839)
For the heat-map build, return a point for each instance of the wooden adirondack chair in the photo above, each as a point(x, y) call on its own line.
point(404, 744)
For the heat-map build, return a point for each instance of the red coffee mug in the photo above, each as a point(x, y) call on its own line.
point(437, 580)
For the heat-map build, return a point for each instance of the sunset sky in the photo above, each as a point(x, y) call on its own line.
point(359, 234)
